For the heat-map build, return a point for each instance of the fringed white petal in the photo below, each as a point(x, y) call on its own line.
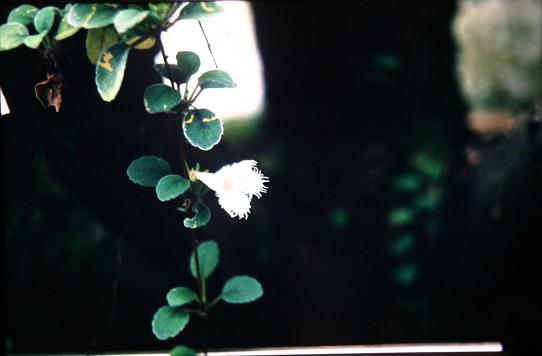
point(235, 184)
point(235, 203)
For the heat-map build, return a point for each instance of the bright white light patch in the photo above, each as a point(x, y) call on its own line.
point(4, 108)
point(234, 45)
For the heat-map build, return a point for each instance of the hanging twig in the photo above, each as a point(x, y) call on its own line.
point(208, 44)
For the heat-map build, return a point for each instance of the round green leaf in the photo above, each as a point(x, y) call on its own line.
point(241, 289)
point(98, 40)
point(208, 255)
point(169, 322)
point(216, 79)
point(65, 30)
point(160, 98)
point(181, 350)
point(160, 9)
point(202, 216)
point(12, 35)
point(401, 216)
point(127, 19)
point(23, 14)
point(176, 75)
point(202, 128)
point(44, 19)
point(33, 41)
point(171, 186)
point(188, 62)
point(407, 183)
point(199, 10)
point(148, 170)
point(180, 296)
point(110, 70)
point(91, 15)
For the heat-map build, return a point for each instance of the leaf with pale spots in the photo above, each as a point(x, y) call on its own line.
point(23, 14)
point(34, 41)
point(216, 79)
point(110, 70)
point(160, 98)
point(91, 15)
point(12, 35)
point(208, 256)
point(148, 170)
point(200, 10)
point(202, 128)
point(127, 19)
point(98, 40)
point(171, 186)
point(65, 30)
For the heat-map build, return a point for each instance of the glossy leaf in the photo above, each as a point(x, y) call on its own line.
point(160, 9)
point(44, 19)
point(241, 289)
point(171, 186)
point(202, 216)
point(127, 19)
point(148, 170)
point(98, 40)
point(33, 41)
point(160, 98)
point(12, 35)
point(180, 296)
point(23, 14)
point(169, 322)
point(91, 15)
point(208, 255)
point(216, 79)
point(202, 128)
point(65, 30)
point(188, 63)
point(200, 10)
point(176, 75)
point(148, 43)
point(182, 350)
point(110, 70)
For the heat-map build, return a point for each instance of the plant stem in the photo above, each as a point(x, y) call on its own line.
point(168, 69)
point(208, 44)
point(198, 271)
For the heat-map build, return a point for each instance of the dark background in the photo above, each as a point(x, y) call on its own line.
point(357, 92)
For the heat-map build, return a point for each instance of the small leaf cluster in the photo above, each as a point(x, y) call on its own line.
point(169, 320)
point(201, 127)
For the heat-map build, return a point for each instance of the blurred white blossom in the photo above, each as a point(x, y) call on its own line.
point(235, 184)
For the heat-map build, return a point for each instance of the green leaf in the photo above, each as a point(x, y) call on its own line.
point(199, 10)
point(400, 216)
point(202, 128)
point(182, 351)
point(110, 70)
point(98, 40)
point(208, 255)
point(176, 75)
point(12, 35)
point(127, 19)
point(407, 183)
point(146, 44)
point(428, 166)
point(169, 322)
point(148, 170)
point(216, 79)
point(160, 98)
point(202, 216)
point(402, 245)
point(44, 19)
point(65, 30)
point(180, 296)
point(33, 41)
point(188, 62)
point(160, 9)
point(241, 289)
point(91, 15)
point(171, 186)
point(23, 14)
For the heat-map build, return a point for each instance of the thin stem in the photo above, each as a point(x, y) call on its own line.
point(192, 97)
point(208, 44)
point(164, 57)
point(198, 271)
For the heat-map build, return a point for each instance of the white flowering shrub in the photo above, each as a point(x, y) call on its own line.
point(499, 59)
point(113, 31)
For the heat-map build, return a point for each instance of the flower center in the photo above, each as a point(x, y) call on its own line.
point(228, 185)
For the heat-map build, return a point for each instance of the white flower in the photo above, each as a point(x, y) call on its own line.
point(235, 184)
